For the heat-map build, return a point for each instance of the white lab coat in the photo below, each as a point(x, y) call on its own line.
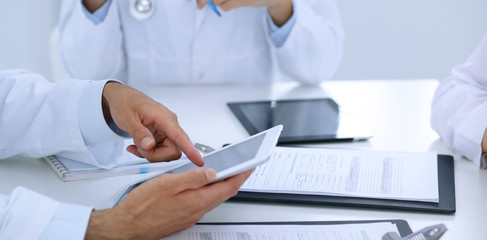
point(180, 44)
point(459, 109)
point(39, 118)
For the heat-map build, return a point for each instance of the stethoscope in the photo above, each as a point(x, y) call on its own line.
point(142, 9)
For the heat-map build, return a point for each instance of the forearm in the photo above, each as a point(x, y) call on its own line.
point(484, 142)
point(458, 114)
point(110, 224)
point(30, 104)
point(483, 161)
point(281, 11)
point(312, 51)
point(93, 5)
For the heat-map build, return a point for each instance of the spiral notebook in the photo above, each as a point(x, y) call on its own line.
point(69, 170)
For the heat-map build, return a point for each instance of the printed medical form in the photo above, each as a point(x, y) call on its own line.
point(340, 172)
point(286, 232)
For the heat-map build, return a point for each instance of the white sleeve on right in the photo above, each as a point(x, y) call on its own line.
point(459, 109)
point(89, 50)
point(28, 215)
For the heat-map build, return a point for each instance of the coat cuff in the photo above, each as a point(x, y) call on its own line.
point(69, 222)
point(99, 15)
point(92, 124)
point(44, 217)
point(279, 35)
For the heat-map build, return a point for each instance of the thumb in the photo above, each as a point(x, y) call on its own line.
point(195, 178)
point(143, 137)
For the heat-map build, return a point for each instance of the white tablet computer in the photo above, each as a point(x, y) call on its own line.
point(239, 157)
point(234, 158)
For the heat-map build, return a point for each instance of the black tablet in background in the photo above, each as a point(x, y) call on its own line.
point(304, 120)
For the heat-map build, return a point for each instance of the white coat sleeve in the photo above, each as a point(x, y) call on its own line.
point(29, 215)
point(313, 49)
point(459, 108)
point(89, 50)
point(39, 118)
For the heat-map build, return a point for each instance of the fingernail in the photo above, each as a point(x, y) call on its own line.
point(141, 152)
point(146, 142)
point(208, 174)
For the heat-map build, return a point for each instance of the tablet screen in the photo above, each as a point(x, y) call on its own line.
point(232, 156)
point(304, 120)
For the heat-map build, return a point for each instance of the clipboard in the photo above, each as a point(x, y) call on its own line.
point(446, 204)
point(402, 225)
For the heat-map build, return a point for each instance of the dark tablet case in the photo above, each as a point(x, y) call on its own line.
point(446, 185)
point(402, 225)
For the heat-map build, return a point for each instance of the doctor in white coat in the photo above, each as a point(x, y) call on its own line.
point(40, 118)
point(459, 109)
point(157, 42)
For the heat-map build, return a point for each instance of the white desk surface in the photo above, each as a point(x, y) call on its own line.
point(397, 111)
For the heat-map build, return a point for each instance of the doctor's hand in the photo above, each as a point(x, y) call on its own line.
point(155, 129)
point(164, 205)
point(279, 10)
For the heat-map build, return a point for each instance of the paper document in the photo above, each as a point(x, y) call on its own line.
point(365, 231)
point(341, 172)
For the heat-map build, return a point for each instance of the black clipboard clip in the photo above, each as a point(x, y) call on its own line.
point(434, 232)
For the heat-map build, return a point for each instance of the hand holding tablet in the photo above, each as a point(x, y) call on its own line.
point(239, 157)
point(233, 159)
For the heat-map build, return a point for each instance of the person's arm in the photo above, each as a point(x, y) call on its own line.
point(459, 107)
point(157, 208)
point(91, 43)
point(93, 5)
point(44, 217)
point(280, 17)
point(483, 158)
point(164, 205)
point(279, 10)
point(308, 39)
point(40, 118)
point(312, 51)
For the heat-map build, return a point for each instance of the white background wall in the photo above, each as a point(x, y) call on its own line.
point(384, 38)
point(409, 38)
point(25, 26)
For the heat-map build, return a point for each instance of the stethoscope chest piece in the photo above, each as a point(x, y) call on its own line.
point(142, 9)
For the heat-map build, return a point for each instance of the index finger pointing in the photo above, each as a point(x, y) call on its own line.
point(181, 139)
